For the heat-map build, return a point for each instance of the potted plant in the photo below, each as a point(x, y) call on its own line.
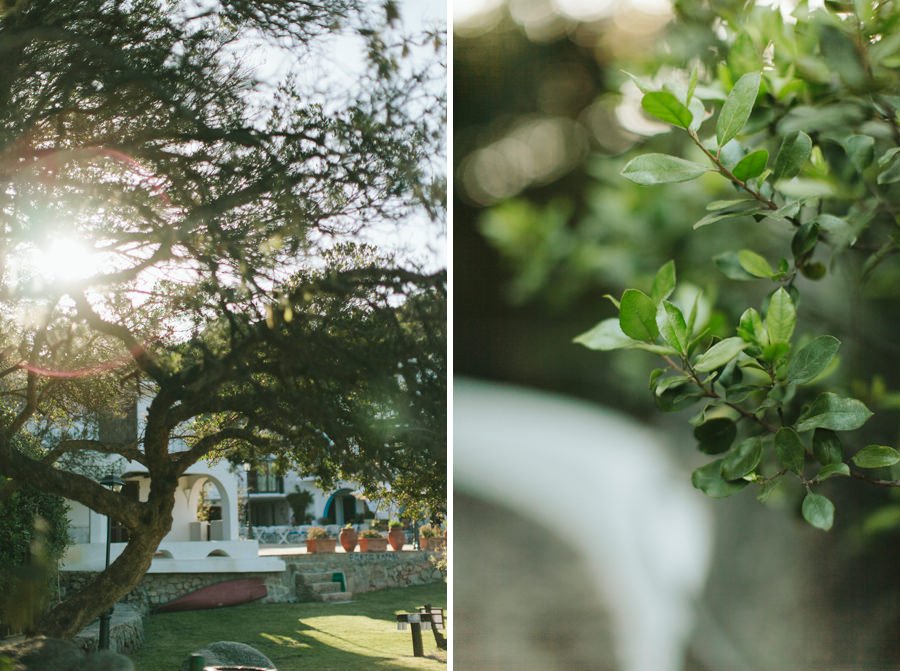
point(372, 541)
point(396, 535)
point(318, 541)
point(430, 537)
point(348, 538)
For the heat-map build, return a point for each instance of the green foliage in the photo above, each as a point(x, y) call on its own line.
point(317, 533)
point(218, 206)
point(33, 537)
point(299, 500)
point(820, 96)
point(429, 531)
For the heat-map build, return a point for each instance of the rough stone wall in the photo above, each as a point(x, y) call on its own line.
point(370, 571)
point(365, 572)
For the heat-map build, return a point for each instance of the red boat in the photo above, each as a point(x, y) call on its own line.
point(219, 595)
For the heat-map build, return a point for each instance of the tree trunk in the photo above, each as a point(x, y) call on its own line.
point(100, 594)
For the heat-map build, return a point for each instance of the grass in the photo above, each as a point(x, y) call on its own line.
point(353, 636)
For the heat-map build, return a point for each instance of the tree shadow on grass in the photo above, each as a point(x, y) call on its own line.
point(358, 635)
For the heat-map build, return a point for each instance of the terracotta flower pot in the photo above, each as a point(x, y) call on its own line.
point(372, 544)
point(397, 537)
point(432, 543)
point(320, 545)
point(348, 538)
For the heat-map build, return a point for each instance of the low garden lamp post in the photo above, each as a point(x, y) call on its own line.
point(115, 484)
point(246, 467)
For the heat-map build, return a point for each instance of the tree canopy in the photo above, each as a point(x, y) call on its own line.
point(173, 219)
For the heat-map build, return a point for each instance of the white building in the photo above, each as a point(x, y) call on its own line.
point(211, 503)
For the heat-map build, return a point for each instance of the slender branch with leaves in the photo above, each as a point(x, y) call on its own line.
point(819, 94)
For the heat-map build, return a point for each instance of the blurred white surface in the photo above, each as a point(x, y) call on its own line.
point(645, 534)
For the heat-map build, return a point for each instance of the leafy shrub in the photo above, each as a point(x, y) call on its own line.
point(317, 533)
point(429, 531)
point(370, 533)
point(795, 126)
point(33, 537)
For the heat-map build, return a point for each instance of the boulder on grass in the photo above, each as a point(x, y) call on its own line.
point(50, 654)
point(231, 653)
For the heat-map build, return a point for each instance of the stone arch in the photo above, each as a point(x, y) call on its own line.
point(229, 507)
point(218, 553)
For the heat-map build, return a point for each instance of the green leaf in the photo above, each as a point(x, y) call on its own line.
point(708, 479)
point(890, 174)
point(785, 213)
point(752, 165)
point(751, 329)
point(812, 359)
point(818, 511)
point(737, 107)
point(743, 56)
point(608, 335)
point(789, 450)
point(672, 326)
point(715, 435)
point(718, 205)
point(805, 239)
point(666, 107)
point(754, 264)
point(804, 189)
point(793, 154)
point(637, 316)
point(832, 470)
point(888, 156)
point(876, 456)
point(839, 231)
point(781, 317)
point(730, 267)
point(719, 354)
point(716, 217)
point(698, 111)
point(827, 447)
point(664, 282)
point(605, 336)
point(860, 150)
point(742, 459)
point(651, 169)
point(830, 411)
point(667, 383)
point(692, 85)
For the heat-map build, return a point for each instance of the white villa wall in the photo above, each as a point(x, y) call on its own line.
point(190, 542)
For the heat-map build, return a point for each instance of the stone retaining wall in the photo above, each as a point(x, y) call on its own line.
point(369, 571)
point(365, 572)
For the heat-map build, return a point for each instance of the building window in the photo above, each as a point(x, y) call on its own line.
point(264, 480)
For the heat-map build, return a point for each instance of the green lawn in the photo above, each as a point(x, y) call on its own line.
point(302, 636)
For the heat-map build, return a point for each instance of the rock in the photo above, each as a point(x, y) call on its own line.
point(50, 654)
point(232, 653)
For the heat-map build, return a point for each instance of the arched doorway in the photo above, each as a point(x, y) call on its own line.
point(210, 510)
point(343, 507)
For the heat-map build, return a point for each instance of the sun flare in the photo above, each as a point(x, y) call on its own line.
point(60, 260)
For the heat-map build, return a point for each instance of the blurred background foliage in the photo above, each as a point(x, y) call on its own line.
point(546, 113)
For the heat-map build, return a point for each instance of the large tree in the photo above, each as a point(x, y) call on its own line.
point(171, 217)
